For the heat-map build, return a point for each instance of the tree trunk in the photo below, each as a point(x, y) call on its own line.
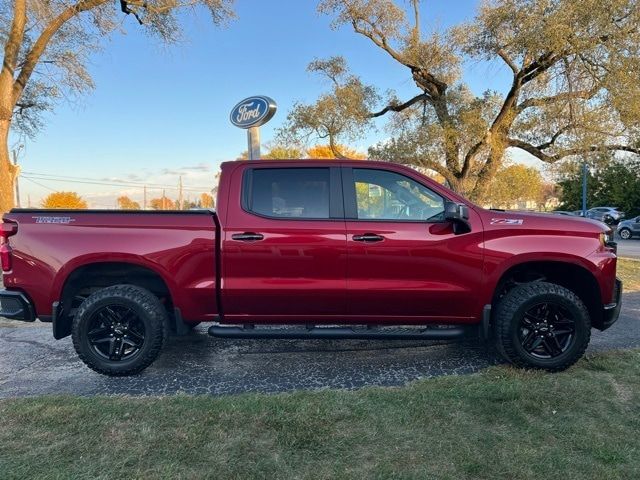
point(7, 170)
point(488, 171)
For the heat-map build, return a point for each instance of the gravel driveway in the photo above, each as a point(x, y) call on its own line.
point(33, 363)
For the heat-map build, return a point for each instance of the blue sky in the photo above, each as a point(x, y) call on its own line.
point(160, 111)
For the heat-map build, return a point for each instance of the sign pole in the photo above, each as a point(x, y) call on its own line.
point(249, 114)
point(253, 139)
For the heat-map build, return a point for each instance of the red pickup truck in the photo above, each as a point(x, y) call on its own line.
point(312, 249)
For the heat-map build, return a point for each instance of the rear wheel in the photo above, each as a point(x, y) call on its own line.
point(119, 330)
point(625, 233)
point(542, 325)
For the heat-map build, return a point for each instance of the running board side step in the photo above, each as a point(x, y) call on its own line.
point(339, 333)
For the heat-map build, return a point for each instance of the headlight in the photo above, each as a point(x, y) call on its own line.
point(606, 238)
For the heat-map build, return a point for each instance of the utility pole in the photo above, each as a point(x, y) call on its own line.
point(584, 187)
point(29, 201)
point(15, 153)
point(180, 198)
point(144, 201)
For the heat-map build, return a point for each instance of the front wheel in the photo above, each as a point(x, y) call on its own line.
point(542, 325)
point(119, 330)
point(625, 233)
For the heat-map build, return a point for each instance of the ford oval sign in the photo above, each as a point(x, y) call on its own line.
point(253, 112)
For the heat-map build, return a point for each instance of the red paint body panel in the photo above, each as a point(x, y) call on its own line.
point(418, 270)
point(179, 247)
point(309, 271)
point(296, 273)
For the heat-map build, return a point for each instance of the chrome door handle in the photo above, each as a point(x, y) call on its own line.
point(247, 236)
point(368, 237)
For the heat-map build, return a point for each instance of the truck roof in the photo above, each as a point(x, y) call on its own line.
point(327, 161)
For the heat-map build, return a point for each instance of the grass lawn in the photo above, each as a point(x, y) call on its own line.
point(629, 272)
point(501, 423)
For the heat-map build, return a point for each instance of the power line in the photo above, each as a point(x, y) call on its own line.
point(47, 176)
point(111, 184)
point(39, 184)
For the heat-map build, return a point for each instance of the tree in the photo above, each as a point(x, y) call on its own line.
point(64, 200)
point(206, 200)
point(515, 184)
point(125, 203)
point(574, 91)
point(325, 151)
point(341, 114)
point(614, 183)
point(277, 152)
point(162, 203)
point(282, 152)
point(46, 47)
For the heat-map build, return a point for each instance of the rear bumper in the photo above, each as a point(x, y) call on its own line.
point(16, 306)
point(612, 310)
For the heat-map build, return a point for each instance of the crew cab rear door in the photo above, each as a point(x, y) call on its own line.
point(405, 262)
point(284, 245)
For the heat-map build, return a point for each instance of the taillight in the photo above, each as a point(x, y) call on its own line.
point(5, 257)
point(6, 230)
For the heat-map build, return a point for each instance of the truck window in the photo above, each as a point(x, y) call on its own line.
point(384, 195)
point(289, 192)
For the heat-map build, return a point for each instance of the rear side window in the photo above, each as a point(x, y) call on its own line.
point(288, 192)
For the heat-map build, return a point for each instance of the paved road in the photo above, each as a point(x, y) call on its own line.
point(32, 363)
point(629, 248)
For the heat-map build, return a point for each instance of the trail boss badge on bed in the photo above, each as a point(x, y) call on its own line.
point(253, 112)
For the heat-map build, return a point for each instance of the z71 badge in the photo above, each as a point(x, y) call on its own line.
point(54, 219)
point(506, 221)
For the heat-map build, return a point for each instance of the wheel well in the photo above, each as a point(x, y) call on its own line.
point(87, 279)
point(573, 277)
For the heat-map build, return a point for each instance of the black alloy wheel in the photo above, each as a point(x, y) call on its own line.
point(116, 332)
point(546, 330)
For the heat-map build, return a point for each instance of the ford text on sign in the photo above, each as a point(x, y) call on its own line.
point(253, 112)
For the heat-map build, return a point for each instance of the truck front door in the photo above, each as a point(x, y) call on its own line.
point(405, 262)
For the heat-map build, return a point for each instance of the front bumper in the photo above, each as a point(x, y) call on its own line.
point(612, 310)
point(16, 306)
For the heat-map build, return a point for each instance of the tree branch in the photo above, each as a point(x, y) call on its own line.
point(560, 97)
point(416, 19)
point(399, 107)
point(156, 9)
point(538, 153)
point(40, 45)
point(380, 42)
point(504, 56)
point(468, 158)
point(539, 66)
point(13, 42)
point(448, 175)
point(554, 137)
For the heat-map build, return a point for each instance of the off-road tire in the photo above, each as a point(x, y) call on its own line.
point(149, 310)
point(625, 233)
point(510, 311)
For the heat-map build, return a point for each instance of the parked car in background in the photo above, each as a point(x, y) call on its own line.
point(577, 213)
point(563, 212)
point(608, 215)
point(628, 228)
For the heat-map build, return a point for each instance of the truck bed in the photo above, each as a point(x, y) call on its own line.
point(179, 246)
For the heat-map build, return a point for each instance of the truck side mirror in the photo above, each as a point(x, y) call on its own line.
point(458, 214)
